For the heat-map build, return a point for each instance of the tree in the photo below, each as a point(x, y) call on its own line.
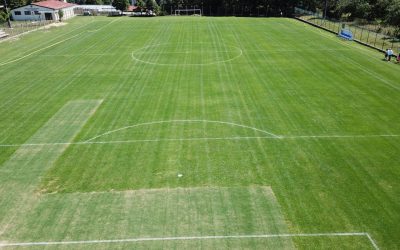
point(12, 4)
point(95, 2)
point(153, 6)
point(393, 17)
point(3, 16)
point(6, 14)
point(140, 4)
point(393, 14)
point(356, 8)
point(379, 9)
point(121, 5)
point(60, 14)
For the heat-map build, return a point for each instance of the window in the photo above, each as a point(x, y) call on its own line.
point(27, 13)
point(17, 13)
point(37, 12)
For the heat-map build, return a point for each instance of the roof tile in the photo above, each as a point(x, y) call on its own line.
point(53, 4)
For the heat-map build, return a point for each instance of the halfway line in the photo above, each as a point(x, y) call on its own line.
point(203, 139)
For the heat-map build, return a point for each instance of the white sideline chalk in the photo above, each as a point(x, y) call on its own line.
point(191, 238)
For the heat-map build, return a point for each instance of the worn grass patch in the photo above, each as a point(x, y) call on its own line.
point(154, 213)
point(335, 104)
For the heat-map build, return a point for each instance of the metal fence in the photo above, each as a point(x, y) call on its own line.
point(19, 27)
point(362, 34)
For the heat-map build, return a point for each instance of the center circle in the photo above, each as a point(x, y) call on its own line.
point(186, 54)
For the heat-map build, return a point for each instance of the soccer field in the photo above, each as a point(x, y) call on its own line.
point(197, 132)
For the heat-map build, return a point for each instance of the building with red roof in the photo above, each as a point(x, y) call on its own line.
point(44, 10)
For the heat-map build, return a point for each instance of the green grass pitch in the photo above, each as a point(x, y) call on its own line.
point(197, 132)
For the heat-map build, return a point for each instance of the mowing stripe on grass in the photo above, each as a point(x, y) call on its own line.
point(183, 121)
point(160, 214)
point(235, 138)
point(36, 51)
point(361, 67)
point(217, 237)
point(22, 171)
point(52, 45)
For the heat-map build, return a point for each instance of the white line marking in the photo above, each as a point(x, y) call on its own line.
point(51, 45)
point(363, 68)
point(11, 37)
point(184, 64)
point(202, 139)
point(189, 238)
point(292, 50)
point(183, 121)
point(376, 76)
point(36, 51)
point(72, 55)
point(372, 241)
point(179, 52)
point(92, 31)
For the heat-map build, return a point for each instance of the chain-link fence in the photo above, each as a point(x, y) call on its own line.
point(364, 34)
point(19, 27)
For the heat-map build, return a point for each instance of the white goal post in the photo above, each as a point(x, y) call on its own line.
point(188, 12)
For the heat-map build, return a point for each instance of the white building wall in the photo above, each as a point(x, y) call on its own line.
point(30, 13)
point(37, 13)
point(68, 13)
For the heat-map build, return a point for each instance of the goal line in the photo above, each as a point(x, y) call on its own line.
point(260, 236)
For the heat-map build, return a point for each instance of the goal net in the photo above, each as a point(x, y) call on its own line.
point(188, 12)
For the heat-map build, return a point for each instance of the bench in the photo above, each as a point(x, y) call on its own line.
point(346, 34)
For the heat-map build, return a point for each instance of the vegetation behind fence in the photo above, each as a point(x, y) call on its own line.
point(364, 34)
point(19, 27)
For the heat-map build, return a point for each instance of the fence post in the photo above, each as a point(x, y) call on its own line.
point(368, 35)
point(362, 31)
point(376, 37)
point(355, 32)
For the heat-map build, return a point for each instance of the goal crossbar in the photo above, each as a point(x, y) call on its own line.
point(187, 11)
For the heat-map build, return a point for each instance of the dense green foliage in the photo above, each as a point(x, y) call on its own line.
point(121, 5)
point(152, 5)
point(60, 14)
point(335, 166)
point(3, 16)
point(385, 10)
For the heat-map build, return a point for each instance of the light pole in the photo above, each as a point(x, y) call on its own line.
point(8, 16)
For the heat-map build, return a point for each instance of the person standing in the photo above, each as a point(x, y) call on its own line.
point(389, 54)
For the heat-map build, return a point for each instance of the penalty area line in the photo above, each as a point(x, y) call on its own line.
point(187, 238)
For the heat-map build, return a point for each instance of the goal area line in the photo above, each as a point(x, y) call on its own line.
point(260, 236)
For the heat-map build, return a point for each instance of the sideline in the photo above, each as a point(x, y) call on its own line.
point(265, 236)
